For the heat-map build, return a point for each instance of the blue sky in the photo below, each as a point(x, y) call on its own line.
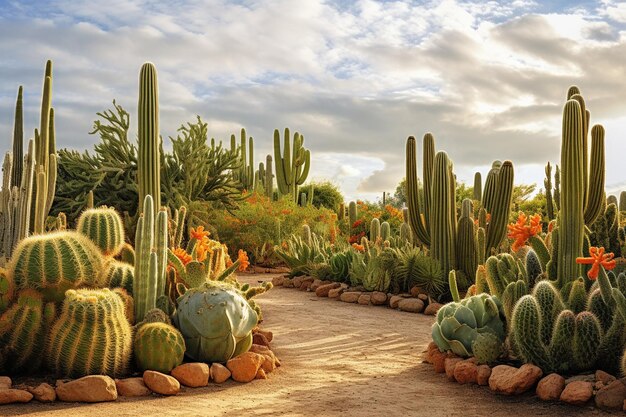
point(356, 78)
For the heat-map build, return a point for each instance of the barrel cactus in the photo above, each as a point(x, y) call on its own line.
point(7, 290)
point(104, 227)
point(52, 263)
point(119, 275)
point(91, 336)
point(216, 322)
point(158, 347)
point(459, 324)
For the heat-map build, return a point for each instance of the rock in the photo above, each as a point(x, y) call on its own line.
point(450, 364)
point(316, 283)
point(423, 297)
point(44, 393)
point(9, 396)
point(5, 382)
point(466, 372)
point(587, 378)
point(288, 282)
point(132, 387)
point(432, 346)
point(88, 389)
point(364, 299)
point(550, 387)
point(260, 374)
point(415, 291)
point(260, 339)
point(378, 298)
point(432, 309)
point(306, 284)
point(268, 334)
point(161, 383)
point(271, 362)
point(297, 281)
point(612, 396)
point(323, 290)
point(278, 281)
point(394, 300)
point(482, 375)
point(350, 296)
point(193, 375)
point(577, 392)
point(509, 380)
point(604, 377)
point(439, 361)
point(335, 292)
point(411, 305)
point(244, 367)
point(219, 373)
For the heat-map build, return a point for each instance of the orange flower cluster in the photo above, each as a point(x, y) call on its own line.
point(358, 247)
point(203, 248)
point(598, 258)
point(242, 257)
point(182, 254)
point(521, 232)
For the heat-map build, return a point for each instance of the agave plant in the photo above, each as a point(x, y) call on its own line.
point(300, 257)
point(414, 268)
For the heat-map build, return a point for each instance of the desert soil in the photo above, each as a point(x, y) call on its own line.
point(338, 360)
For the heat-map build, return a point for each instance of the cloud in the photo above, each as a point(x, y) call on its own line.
point(357, 78)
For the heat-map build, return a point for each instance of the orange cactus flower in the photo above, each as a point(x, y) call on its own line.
point(242, 257)
point(522, 232)
point(181, 254)
point(358, 247)
point(597, 258)
point(199, 233)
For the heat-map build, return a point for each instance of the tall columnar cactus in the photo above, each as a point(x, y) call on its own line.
point(581, 196)
point(292, 166)
point(467, 241)
point(245, 174)
point(55, 262)
point(91, 336)
point(443, 214)
point(269, 177)
point(104, 227)
point(149, 158)
point(374, 230)
point(18, 142)
point(547, 182)
point(420, 226)
point(622, 201)
point(385, 231)
point(158, 347)
point(490, 191)
point(352, 213)
point(500, 207)
point(478, 187)
point(22, 332)
point(150, 258)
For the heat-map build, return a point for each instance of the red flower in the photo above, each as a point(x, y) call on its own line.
point(597, 258)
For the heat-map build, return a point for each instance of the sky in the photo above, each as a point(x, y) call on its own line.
point(356, 78)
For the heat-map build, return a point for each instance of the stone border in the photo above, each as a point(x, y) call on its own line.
point(415, 302)
point(600, 388)
point(257, 363)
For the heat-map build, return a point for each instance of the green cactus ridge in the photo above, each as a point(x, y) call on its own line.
point(55, 262)
point(104, 227)
point(91, 336)
point(158, 347)
point(119, 275)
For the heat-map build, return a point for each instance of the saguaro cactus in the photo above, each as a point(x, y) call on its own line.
point(150, 258)
point(478, 187)
point(18, 142)
point(292, 167)
point(547, 183)
point(149, 158)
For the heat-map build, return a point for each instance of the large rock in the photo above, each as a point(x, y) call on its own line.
point(466, 372)
point(316, 284)
point(88, 389)
point(271, 361)
point(278, 281)
point(132, 387)
point(439, 361)
point(550, 387)
point(394, 300)
point(604, 377)
point(378, 298)
point(509, 380)
point(364, 299)
point(577, 392)
point(323, 290)
point(350, 296)
point(219, 373)
point(267, 333)
point(244, 367)
point(482, 375)
point(297, 281)
point(306, 284)
point(5, 382)
point(432, 309)
point(161, 383)
point(260, 339)
point(415, 291)
point(430, 349)
point(335, 292)
point(287, 282)
point(193, 375)
point(44, 393)
point(612, 396)
point(9, 396)
point(450, 365)
point(411, 305)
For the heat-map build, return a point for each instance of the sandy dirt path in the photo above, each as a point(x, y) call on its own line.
point(338, 360)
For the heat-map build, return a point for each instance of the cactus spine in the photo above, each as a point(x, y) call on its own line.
point(104, 227)
point(292, 167)
point(56, 262)
point(158, 347)
point(150, 258)
point(149, 159)
point(91, 336)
